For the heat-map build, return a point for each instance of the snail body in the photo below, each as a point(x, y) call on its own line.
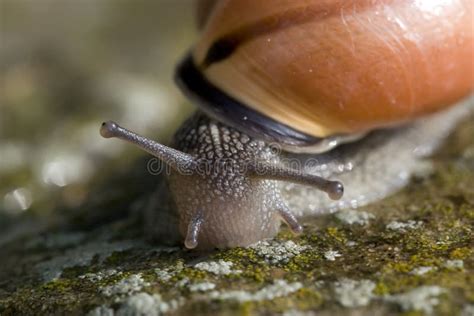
point(270, 132)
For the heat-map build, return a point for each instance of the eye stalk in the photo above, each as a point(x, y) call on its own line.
point(334, 189)
point(174, 158)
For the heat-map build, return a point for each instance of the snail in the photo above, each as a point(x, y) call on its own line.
point(298, 97)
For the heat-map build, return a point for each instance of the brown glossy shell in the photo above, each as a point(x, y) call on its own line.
point(326, 67)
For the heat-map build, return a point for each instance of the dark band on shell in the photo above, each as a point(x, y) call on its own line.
point(225, 108)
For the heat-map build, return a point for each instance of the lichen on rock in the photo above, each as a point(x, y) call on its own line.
point(351, 293)
point(424, 298)
point(220, 267)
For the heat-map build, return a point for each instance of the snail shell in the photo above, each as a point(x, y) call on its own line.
point(338, 67)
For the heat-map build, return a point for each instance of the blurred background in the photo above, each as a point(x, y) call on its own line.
point(65, 66)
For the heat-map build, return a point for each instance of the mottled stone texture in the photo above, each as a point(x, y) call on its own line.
point(410, 253)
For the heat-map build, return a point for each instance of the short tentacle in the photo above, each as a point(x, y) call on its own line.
point(194, 227)
point(289, 218)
